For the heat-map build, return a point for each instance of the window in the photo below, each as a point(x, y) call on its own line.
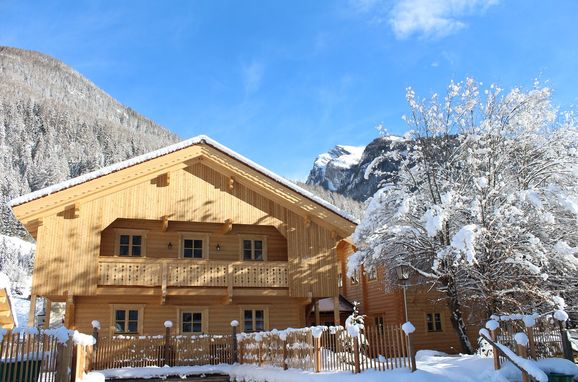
point(253, 320)
point(253, 249)
point(130, 245)
point(434, 322)
point(371, 274)
point(355, 277)
point(193, 248)
point(126, 321)
point(191, 322)
point(379, 324)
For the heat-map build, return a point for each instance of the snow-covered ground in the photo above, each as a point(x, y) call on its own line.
point(431, 368)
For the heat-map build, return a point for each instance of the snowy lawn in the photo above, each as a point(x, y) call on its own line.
point(431, 368)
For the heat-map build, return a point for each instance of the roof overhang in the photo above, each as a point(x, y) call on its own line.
point(32, 207)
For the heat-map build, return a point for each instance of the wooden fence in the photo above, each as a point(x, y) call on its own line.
point(35, 356)
point(545, 337)
point(139, 351)
point(317, 349)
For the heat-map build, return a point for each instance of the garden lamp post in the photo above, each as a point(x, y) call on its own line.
point(403, 275)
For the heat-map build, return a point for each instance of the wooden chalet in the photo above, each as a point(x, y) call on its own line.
point(383, 304)
point(193, 233)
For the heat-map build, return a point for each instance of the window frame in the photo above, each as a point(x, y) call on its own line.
point(204, 237)
point(371, 275)
point(354, 279)
point(126, 307)
point(193, 309)
point(130, 233)
point(252, 238)
point(254, 308)
point(434, 326)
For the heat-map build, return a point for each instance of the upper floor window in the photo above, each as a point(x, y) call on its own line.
point(434, 322)
point(253, 249)
point(130, 245)
point(194, 246)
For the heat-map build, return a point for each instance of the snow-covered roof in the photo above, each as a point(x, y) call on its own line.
point(167, 150)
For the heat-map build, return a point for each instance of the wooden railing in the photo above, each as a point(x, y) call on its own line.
point(192, 273)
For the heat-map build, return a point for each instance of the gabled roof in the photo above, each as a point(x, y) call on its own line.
point(170, 149)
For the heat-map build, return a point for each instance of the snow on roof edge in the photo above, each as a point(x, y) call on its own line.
point(167, 150)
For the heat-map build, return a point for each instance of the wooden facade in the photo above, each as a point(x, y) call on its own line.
point(7, 320)
point(192, 229)
point(383, 304)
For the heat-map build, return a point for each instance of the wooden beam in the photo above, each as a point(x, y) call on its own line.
point(336, 311)
point(227, 226)
point(307, 221)
point(164, 282)
point(231, 184)
point(32, 311)
point(163, 180)
point(69, 311)
point(47, 312)
point(165, 223)
point(317, 313)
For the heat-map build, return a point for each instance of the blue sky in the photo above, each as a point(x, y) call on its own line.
point(282, 81)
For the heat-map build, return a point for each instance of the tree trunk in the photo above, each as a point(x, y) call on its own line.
point(456, 317)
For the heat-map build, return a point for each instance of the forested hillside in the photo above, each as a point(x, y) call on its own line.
point(55, 124)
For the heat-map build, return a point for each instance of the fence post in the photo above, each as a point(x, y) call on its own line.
point(63, 361)
point(566, 345)
point(531, 343)
point(235, 345)
point(356, 368)
point(317, 354)
point(167, 349)
point(284, 342)
point(94, 351)
point(408, 329)
point(522, 352)
point(411, 351)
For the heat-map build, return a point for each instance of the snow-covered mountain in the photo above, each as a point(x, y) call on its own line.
point(343, 168)
point(331, 170)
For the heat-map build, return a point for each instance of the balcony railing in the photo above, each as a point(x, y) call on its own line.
point(192, 273)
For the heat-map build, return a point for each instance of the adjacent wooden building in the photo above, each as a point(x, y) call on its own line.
point(383, 304)
point(193, 233)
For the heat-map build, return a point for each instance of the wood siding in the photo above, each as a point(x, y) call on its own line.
point(281, 313)
point(69, 243)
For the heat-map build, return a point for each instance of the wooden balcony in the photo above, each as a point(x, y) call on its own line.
point(191, 273)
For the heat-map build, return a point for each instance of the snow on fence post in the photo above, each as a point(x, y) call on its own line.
point(529, 323)
point(521, 343)
point(493, 326)
point(408, 329)
point(235, 344)
point(64, 353)
point(561, 316)
point(166, 353)
point(317, 332)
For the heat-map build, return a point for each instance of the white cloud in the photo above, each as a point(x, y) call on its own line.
point(252, 75)
point(433, 18)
